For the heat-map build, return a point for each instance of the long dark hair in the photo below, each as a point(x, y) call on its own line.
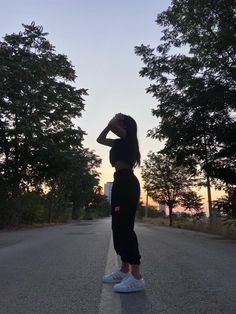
point(131, 136)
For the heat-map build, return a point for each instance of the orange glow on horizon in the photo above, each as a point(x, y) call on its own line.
point(107, 176)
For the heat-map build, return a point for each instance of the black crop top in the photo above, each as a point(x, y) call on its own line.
point(121, 150)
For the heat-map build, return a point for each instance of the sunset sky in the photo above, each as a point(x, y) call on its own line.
point(99, 39)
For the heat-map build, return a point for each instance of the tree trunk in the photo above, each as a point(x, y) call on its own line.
point(170, 216)
point(50, 210)
point(208, 182)
point(146, 206)
point(51, 204)
point(209, 197)
point(74, 211)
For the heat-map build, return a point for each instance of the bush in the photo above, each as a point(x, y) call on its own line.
point(26, 209)
point(140, 213)
point(10, 212)
point(34, 209)
point(154, 213)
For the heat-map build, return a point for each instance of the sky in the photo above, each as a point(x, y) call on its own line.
point(98, 38)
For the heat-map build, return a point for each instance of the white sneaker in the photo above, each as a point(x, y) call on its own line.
point(115, 277)
point(130, 284)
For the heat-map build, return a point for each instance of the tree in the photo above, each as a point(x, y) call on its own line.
point(227, 206)
point(83, 180)
point(99, 205)
point(40, 147)
point(37, 105)
point(165, 181)
point(71, 177)
point(192, 202)
point(196, 90)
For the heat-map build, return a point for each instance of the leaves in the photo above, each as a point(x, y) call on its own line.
point(191, 202)
point(164, 180)
point(196, 89)
point(39, 143)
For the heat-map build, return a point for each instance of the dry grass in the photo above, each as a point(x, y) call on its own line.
point(218, 228)
point(29, 226)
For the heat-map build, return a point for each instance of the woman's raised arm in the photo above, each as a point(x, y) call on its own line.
point(102, 138)
point(115, 126)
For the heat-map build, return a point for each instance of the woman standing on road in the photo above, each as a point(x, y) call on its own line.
point(124, 156)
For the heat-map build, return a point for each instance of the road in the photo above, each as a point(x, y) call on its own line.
point(58, 269)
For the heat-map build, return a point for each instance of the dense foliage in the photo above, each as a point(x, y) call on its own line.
point(193, 77)
point(168, 183)
point(41, 149)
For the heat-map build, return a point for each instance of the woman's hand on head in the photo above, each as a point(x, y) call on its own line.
point(117, 119)
point(116, 125)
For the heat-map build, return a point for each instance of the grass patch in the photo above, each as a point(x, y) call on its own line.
point(216, 227)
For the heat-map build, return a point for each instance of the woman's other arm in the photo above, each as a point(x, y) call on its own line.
point(102, 138)
point(115, 126)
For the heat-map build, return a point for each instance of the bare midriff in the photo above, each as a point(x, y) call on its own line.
point(120, 164)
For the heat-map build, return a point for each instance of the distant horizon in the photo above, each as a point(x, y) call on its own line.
point(178, 207)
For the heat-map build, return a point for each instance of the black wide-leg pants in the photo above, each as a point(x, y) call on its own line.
point(124, 200)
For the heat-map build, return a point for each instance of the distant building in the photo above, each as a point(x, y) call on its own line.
point(162, 208)
point(107, 190)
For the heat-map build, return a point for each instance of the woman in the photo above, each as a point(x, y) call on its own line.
point(124, 156)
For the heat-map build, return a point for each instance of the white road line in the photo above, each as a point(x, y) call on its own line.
point(110, 301)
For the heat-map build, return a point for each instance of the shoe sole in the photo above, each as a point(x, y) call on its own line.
point(111, 281)
point(129, 291)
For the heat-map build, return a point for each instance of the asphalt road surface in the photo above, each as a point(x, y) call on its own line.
point(58, 269)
